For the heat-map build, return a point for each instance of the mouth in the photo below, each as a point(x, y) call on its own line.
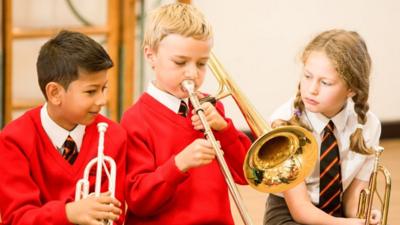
point(94, 113)
point(310, 101)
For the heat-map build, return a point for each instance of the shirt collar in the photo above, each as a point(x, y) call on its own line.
point(168, 100)
point(318, 121)
point(57, 134)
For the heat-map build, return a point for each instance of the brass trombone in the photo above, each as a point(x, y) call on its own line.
point(278, 160)
point(82, 186)
point(367, 195)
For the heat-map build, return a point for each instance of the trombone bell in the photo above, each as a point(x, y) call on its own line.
point(280, 158)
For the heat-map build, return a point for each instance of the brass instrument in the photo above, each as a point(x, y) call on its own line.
point(367, 195)
point(188, 85)
point(284, 162)
point(280, 158)
point(82, 187)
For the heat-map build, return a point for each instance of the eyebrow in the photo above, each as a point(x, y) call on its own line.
point(184, 57)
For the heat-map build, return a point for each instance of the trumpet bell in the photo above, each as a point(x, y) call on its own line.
point(280, 159)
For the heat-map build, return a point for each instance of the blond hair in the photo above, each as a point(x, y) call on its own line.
point(176, 18)
point(351, 60)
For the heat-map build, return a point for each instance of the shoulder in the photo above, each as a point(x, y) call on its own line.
point(283, 112)
point(24, 124)
point(135, 109)
point(22, 132)
point(371, 129)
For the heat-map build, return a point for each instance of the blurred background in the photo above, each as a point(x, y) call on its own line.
point(257, 41)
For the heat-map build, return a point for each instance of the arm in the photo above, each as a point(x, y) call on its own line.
point(304, 212)
point(351, 197)
point(20, 196)
point(149, 187)
point(235, 144)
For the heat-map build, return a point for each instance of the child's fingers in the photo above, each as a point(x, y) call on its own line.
point(109, 200)
point(375, 216)
point(106, 216)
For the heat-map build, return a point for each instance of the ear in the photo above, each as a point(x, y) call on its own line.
point(149, 54)
point(350, 93)
point(54, 93)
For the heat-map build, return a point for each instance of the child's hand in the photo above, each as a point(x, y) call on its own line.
point(376, 216)
point(278, 123)
point(200, 152)
point(214, 119)
point(92, 210)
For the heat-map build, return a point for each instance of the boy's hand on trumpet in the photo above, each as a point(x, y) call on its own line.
point(200, 152)
point(93, 210)
point(214, 119)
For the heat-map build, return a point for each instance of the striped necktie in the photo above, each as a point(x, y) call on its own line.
point(330, 175)
point(183, 109)
point(70, 150)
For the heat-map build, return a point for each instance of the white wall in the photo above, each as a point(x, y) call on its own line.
point(258, 41)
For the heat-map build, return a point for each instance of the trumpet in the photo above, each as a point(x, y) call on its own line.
point(82, 186)
point(367, 195)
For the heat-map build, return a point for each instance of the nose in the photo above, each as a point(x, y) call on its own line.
point(314, 87)
point(191, 72)
point(101, 100)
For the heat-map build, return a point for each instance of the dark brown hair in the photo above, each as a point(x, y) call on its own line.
point(64, 56)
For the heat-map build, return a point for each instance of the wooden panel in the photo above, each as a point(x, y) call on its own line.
point(112, 44)
point(128, 78)
point(23, 33)
point(7, 60)
point(185, 1)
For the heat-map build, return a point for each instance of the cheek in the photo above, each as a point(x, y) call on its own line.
point(303, 87)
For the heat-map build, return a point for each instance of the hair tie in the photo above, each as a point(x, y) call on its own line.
point(359, 126)
point(297, 112)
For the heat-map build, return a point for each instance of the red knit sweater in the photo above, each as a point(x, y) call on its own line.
point(156, 191)
point(36, 182)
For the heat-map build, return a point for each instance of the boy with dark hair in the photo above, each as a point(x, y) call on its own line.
point(44, 152)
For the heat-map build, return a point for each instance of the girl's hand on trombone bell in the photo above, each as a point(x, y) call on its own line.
point(214, 119)
point(92, 210)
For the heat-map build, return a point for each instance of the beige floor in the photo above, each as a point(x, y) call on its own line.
point(254, 201)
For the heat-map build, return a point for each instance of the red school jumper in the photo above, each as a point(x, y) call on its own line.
point(36, 182)
point(157, 192)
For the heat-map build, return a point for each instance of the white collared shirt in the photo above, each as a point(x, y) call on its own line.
point(353, 165)
point(170, 101)
point(57, 134)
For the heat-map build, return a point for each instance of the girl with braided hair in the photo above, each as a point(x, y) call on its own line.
point(332, 102)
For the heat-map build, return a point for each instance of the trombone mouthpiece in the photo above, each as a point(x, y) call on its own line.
point(188, 85)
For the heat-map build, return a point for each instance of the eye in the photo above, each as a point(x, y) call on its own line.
point(91, 92)
point(201, 64)
point(326, 83)
point(180, 63)
point(307, 76)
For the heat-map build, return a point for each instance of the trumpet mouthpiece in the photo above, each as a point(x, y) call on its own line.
point(102, 127)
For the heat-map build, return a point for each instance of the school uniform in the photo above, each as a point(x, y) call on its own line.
point(157, 191)
point(353, 165)
point(36, 181)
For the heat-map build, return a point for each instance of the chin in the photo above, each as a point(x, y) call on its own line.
point(312, 109)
